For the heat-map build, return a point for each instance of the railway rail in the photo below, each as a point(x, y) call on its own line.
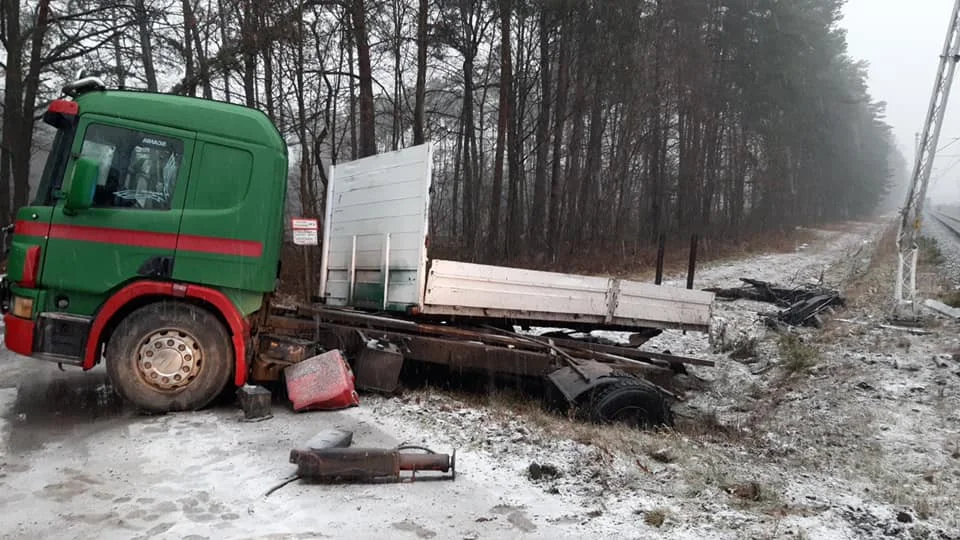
point(952, 223)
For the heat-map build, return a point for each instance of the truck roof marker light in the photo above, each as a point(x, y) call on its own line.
point(63, 106)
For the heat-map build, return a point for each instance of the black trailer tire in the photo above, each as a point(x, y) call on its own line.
point(170, 356)
point(631, 401)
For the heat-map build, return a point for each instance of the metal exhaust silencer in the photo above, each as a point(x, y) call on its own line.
point(366, 464)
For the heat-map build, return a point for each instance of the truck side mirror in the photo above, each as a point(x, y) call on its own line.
point(83, 183)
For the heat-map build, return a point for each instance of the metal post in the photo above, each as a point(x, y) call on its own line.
point(912, 212)
point(692, 266)
point(327, 222)
point(661, 248)
point(353, 270)
point(386, 269)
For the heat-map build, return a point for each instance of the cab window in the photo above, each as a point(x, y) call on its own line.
point(56, 163)
point(137, 169)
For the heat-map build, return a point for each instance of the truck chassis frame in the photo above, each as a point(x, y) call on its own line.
point(377, 346)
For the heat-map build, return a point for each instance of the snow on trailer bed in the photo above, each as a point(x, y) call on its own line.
point(375, 257)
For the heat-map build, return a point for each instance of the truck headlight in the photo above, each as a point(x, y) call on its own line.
point(23, 307)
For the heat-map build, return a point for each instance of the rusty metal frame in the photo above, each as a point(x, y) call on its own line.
point(366, 320)
point(466, 349)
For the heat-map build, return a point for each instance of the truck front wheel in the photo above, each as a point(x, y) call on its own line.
point(170, 356)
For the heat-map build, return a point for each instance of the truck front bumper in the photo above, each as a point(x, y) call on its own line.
point(18, 336)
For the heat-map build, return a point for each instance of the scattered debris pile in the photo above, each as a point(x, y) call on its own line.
point(323, 382)
point(802, 305)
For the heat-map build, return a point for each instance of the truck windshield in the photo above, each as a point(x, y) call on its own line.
point(52, 176)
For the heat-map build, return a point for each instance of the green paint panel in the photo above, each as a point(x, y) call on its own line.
point(226, 120)
point(36, 216)
point(368, 295)
point(225, 171)
point(236, 191)
point(246, 301)
point(80, 303)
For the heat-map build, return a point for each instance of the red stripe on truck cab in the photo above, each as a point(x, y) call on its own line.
point(31, 268)
point(156, 240)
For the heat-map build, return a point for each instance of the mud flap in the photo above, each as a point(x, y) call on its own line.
point(574, 383)
point(377, 367)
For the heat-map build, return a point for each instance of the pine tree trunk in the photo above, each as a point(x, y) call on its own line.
point(368, 143)
point(495, 241)
point(540, 210)
point(559, 121)
point(418, 113)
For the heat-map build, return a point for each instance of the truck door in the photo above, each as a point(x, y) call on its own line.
point(131, 230)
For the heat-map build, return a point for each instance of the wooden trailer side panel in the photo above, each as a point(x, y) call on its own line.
point(467, 285)
point(669, 305)
point(476, 290)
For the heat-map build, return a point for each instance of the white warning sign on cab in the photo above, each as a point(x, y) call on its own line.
point(305, 231)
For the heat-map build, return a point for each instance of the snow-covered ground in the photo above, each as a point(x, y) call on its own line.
point(863, 443)
point(862, 440)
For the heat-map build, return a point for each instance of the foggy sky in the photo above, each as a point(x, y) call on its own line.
point(902, 42)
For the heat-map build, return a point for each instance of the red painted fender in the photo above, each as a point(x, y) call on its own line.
point(238, 324)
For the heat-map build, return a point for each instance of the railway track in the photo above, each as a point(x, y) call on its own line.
point(950, 222)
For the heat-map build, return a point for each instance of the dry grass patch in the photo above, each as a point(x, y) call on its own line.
point(663, 445)
point(797, 357)
point(951, 298)
point(930, 253)
point(655, 518)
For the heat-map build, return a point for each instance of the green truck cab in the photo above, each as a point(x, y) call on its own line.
point(154, 235)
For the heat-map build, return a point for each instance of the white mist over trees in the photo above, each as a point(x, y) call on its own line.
point(564, 129)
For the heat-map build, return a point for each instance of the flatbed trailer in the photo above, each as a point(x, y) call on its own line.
point(375, 257)
point(383, 300)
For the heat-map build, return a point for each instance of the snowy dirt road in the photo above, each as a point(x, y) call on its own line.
point(859, 440)
point(76, 463)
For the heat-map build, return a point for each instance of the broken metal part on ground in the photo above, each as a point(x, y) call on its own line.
point(331, 438)
point(324, 382)
point(803, 305)
point(370, 464)
point(255, 402)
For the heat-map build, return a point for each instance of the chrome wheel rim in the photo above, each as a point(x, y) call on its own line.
point(169, 359)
